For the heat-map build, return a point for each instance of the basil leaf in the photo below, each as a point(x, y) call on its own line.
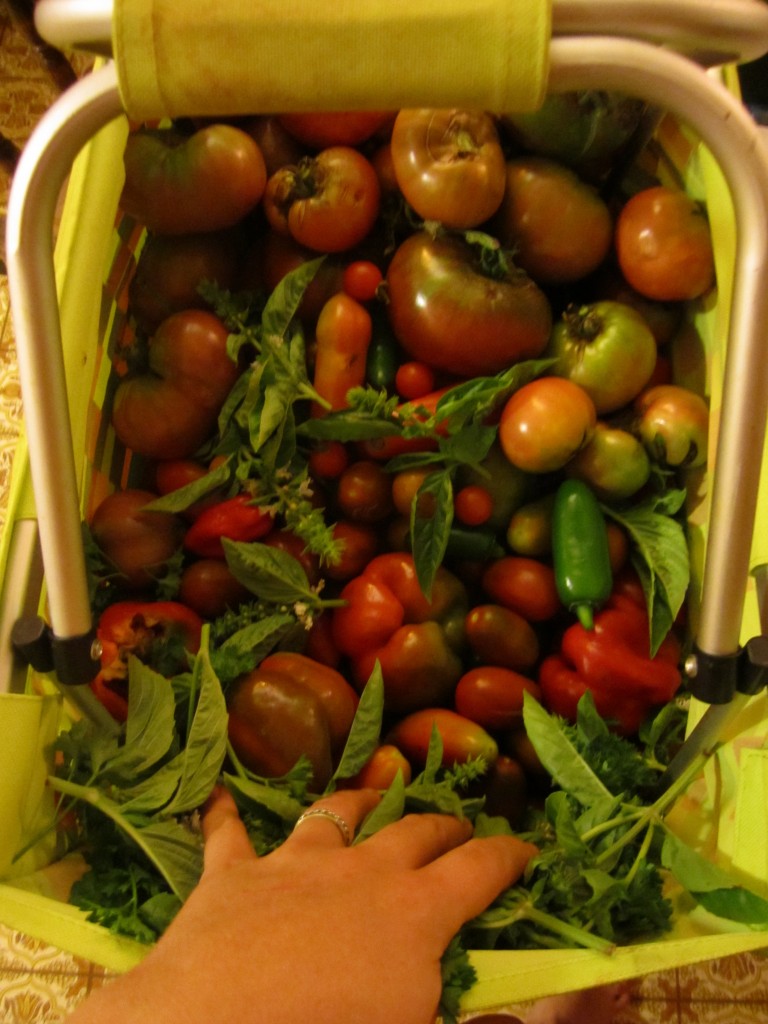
point(269, 573)
point(284, 300)
point(559, 756)
point(149, 729)
point(364, 734)
point(430, 531)
point(180, 499)
point(390, 808)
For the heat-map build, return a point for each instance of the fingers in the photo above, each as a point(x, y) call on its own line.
point(470, 876)
point(331, 822)
point(417, 839)
point(226, 840)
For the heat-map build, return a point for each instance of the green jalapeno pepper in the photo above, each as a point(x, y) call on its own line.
point(580, 551)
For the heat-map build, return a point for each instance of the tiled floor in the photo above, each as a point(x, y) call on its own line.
point(38, 983)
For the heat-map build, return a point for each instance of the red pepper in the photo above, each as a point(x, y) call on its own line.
point(613, 662)
point(416, 640)
point(157, 632)
point(235, 518)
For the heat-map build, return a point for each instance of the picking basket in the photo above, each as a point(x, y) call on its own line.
point(70, 308)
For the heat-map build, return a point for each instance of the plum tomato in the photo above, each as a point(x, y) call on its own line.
point(380, 770)
point(557, 225)
point(448, 312)
point(606, 348)
point(327, 203)
point(500, 636)
point(364, 492)
point(492, 696)
point(449, 164)
point(208, 587)
point(545, 423)
point(526, 585)
point(462, 738)
point(176, 184)
point(664, 245)
point(136, 541)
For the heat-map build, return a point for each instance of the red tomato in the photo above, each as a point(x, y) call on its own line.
point(673, 424)
point(447, 312)
point(328, 203)
point(381, 769)
point(449, 165)
point(473, 505)
point(414, 379)
point(500, 636)
point(558, 226)
point(208, 587)
point(137, 542)
point(545, 423)
point(334, 128)
point(176, 184)
point(329, 460)
point(361, 280)
point(493, 696)
point(169, 411)
point(664, 246)
point(364, 492)
point(359, 543)
point(525, 585)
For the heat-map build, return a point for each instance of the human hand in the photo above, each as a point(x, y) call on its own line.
point(315, 930)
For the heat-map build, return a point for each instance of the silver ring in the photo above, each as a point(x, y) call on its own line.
point(323, 812)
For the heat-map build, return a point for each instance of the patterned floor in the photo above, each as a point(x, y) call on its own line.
point(38, 983)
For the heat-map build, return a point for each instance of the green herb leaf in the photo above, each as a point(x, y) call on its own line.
point(390, 808)
point(269, 573)
point(431, 518)
point(364, 734)
point(558, 754)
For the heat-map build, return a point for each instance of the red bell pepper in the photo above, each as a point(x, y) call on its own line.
point(387, 618)
point(157, 632)
point(614, 663)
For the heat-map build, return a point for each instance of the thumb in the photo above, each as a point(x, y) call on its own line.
point(226, 840)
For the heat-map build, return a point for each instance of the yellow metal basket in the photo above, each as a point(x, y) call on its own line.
point(69, 308)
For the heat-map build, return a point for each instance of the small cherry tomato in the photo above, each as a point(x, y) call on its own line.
point(328, 460)
point(208, 587)
point(361, 280)
point(473, 505)
point(414, 379)
point(359, 543)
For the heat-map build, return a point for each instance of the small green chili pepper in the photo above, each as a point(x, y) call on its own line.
point(383, 357)
point(580, 550)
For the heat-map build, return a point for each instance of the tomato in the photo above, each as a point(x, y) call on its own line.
point(664, 246)
point(405, 485)
point(328, 460)
point(446, 312)
point(208, 587)
point(380, 771)
point(462, 738)
point(170, 270)
point(614, 463)
point(529, 531)
point(337, 697)
point(525, 585)
point(473, 505)
point(558, 226)
point(492, 696)
point(359, 543)
point(136, 541)
point(545, 423)
point(277, 145)
point(414, 379)
point(334, 128)
point(508, 486)
point(342, 336)
point(364, 492)
point(500, 636)
point(277, 255)
point(177, 184)
point(361, 280)
point(673, 424)
point(449, 164)
point(273, 721)
point(328, 203)
point(506, 791)
point(606, 348)
point(172, 409)
point(588, 130)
